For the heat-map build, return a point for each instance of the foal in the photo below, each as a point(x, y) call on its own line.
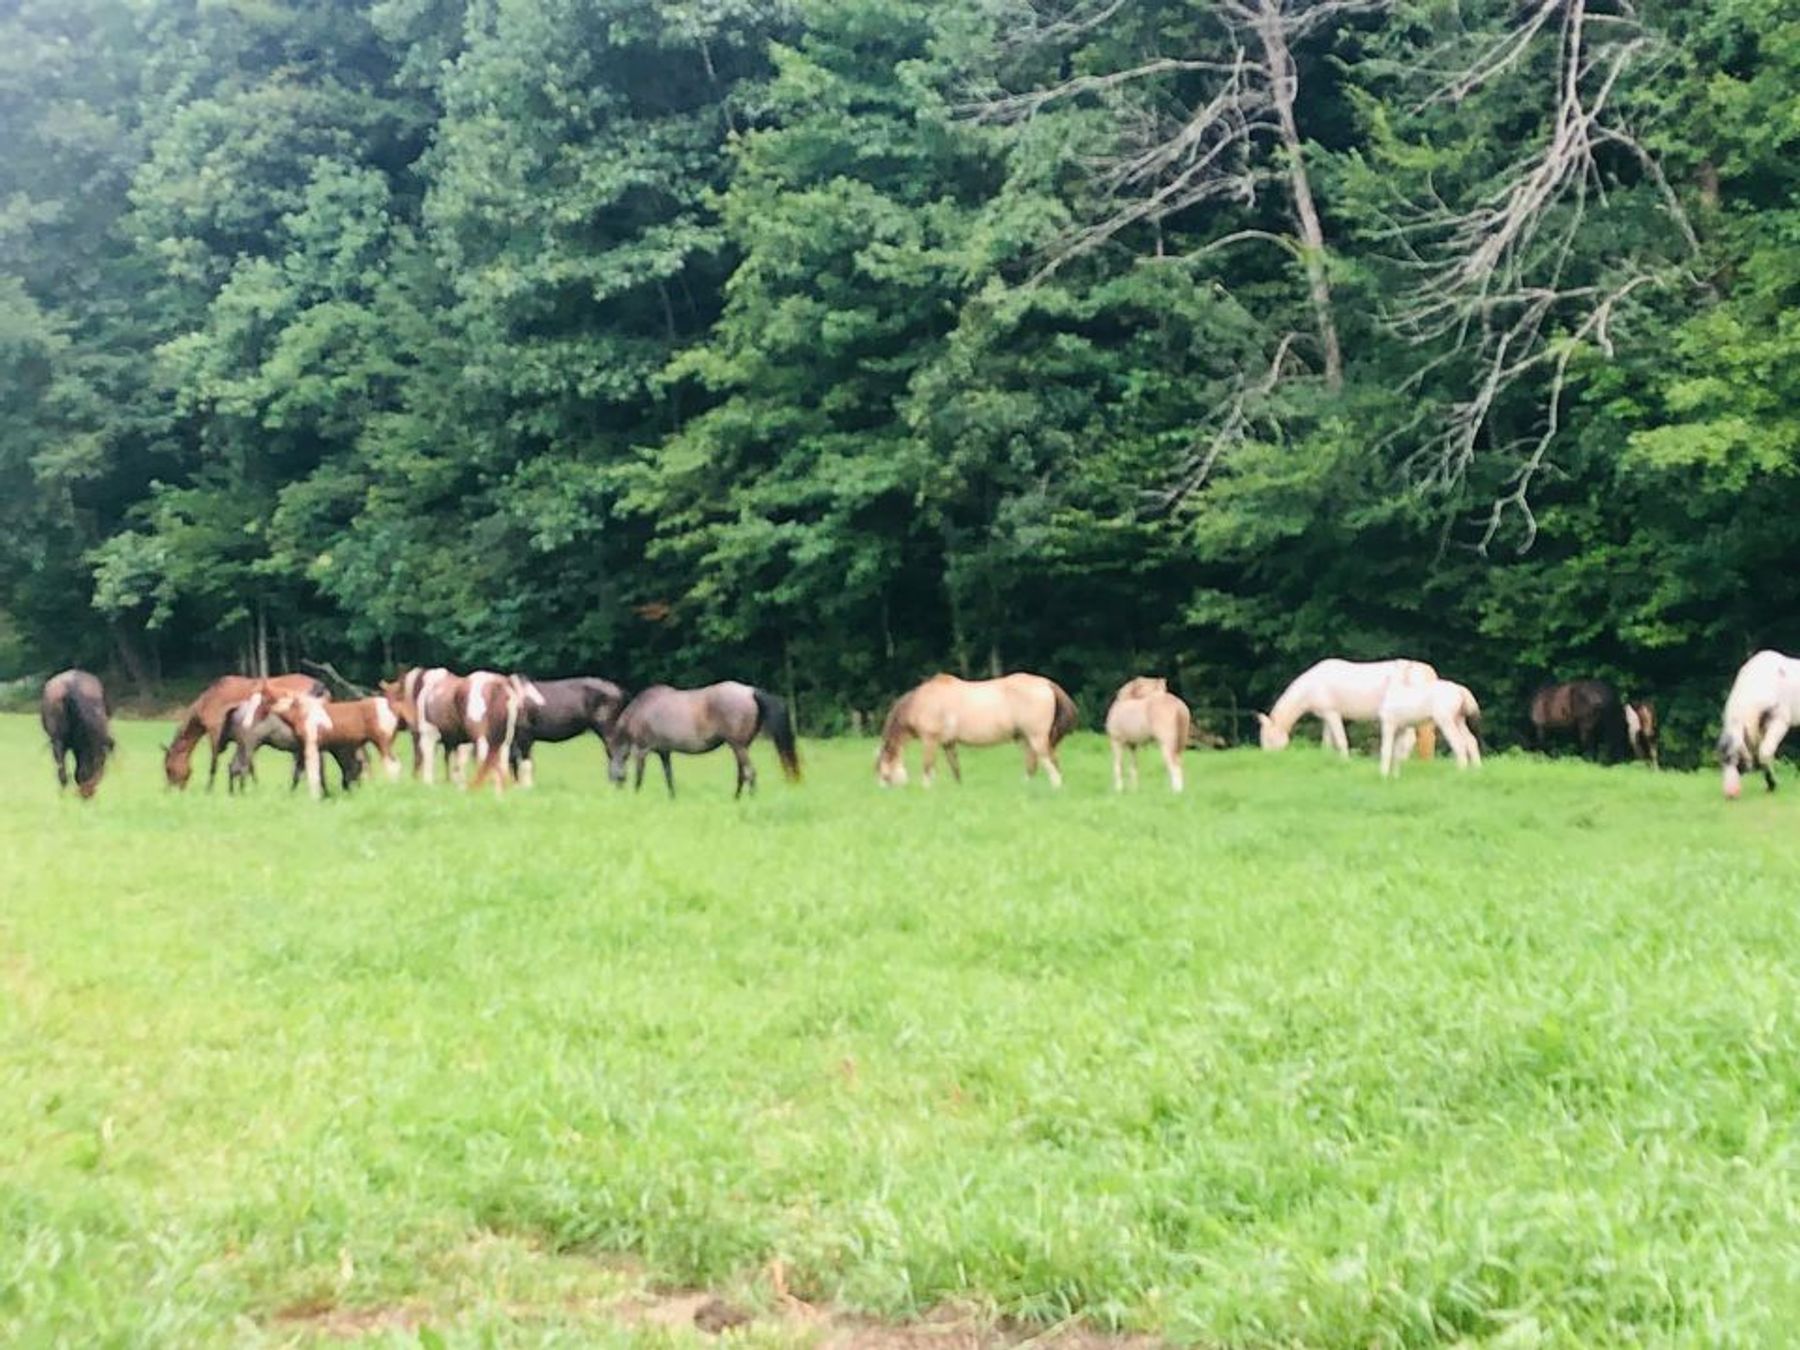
point(338, 727)
point(1143, 711)
point(1444, 702)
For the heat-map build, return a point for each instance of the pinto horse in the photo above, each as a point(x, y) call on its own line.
point(252, 725)
point(346, 727)
point(476, 713)
point(1590, 709)
point(1444, 703)
point(1762, 705)
point(206, 717)
point(1640, 724)
point(946, 712)
point(561, 710)
point(667, 721)
point(73, 711)
point(1336, 691)
point(1143, 711)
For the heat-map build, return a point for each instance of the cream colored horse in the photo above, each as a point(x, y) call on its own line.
point(1445, 703)
point(1764, 702)
point(947, 712)
point(1143, 711)
point(1337, 691)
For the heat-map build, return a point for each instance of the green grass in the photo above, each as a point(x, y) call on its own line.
point(1298, 1058)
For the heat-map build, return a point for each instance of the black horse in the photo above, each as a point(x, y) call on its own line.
point(1591, 709)
point(74, 714)
point(561, 710)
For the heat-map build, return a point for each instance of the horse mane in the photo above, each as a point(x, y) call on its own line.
point(1287, 709)
point(896, 729)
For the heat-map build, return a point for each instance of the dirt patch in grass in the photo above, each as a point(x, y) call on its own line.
point(321, 1318)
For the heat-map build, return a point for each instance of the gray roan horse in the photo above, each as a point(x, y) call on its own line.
point(561, 710)
point(693, 721)
point(74, 717)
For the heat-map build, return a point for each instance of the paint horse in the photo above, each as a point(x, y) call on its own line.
point(475, 714)
point(340, 727)
point(253, 724)
point(561, 710)
point(1763, 703)
point(1591, 710)
point(1336, 691)
point(1444, 703)
point(664, 721)
point(1143, 711)
point(73, 711)
point(207, 717)
point(945, 712)
point(1640, 726)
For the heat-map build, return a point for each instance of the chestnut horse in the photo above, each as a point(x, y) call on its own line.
point(946, 711)
point(1336, 691)
point(208, 715)
point(73, 711)
point(1143, 711)
point(322, 724)
point(667, 721)
point(479, 711)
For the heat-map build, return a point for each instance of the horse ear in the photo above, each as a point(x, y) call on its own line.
point(1262, 719)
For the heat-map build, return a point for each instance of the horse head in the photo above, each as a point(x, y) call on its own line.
point(178, 764)
point(618, 752)
point(1273, 737)
point(394, 691)
point(890, 767)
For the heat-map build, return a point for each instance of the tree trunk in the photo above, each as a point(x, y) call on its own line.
point(262, 641)
point(131, 657)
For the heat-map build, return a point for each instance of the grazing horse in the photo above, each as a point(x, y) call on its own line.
point(479, 711)
point(1591, 709)
point(73, 711)
point(252, 725)
point(946, 711)
point(1640, 725)
point(208, 715)
point(1448, 705)
point(1334, 691)
point(340, 728)
point(1143, 711)
point(1762, 705)
point(669, 721)
point(561, 710)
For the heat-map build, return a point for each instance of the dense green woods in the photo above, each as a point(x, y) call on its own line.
point(826, 344)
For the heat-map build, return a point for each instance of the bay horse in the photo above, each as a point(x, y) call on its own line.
point(1143, 711)
point(207, 715)
point(1444, 703)
point(1640, 726)
point(73, 711)
point(665, 721)
point(1590, 709)
point(1762, 705)
point(340, 727)
point(561, 710)
point(947, 712)
point(1336, 691)
point(474, 714)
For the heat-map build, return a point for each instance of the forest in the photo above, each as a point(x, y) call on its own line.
point(825, 343)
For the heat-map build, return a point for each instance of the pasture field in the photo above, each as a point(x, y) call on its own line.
point(1300, 1058)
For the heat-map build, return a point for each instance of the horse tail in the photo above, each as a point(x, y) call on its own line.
point(1616, 728)
point(515, 699)
point(772, 716)
point(1066, 717)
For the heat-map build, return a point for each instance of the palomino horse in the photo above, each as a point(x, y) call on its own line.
point(479, 711)
point(1640, 723)
point(1143, 711)
point(1336, 691)
point(561, 710)
point(208, 715)
point(339, 727)
point(667, 721)
point(948, 712)
point(1591, 709)
point(73, 711)
point(1444, 703)
point(1762, 705)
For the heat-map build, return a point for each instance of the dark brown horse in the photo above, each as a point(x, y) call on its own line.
point(73, 711)
point(207, 717)
point(1591, 709)
point(561, 710)
point(667, 721)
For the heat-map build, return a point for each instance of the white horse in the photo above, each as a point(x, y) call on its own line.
point(1336, 690)
point(1762, 705)
point(1444, 702)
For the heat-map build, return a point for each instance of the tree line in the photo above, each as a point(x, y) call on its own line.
point(826, 343)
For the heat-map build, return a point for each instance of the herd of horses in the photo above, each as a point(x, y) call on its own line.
point(493, 721)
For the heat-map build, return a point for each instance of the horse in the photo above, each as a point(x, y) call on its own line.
point(1143, 711)
point(251, 725)
point(666, 721)
point(207, 715)
point(1762, 705)
point(322, 724)
point(73, 711)
point(946, 711)
point(1335, 690)
point(1591, 709)
point(1642, 730)
point(561, 710)
point(476, 713)
point(1446, 704)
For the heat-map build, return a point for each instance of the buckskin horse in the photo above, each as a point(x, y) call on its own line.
point(1143, 711)
point(73, 711)
point(206, 717)
point(1336, 691)
point(1591, 710)
point(1762, 705)
point(665, 721)
point(945, 712)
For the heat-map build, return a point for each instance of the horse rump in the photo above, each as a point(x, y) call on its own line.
point(1066, 717)
point(772, 716)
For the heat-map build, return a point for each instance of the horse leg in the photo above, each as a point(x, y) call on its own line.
point(390, 762)
point(425, 747)
point(637, 784)
point(212, 771)
point(1387, 747)
point(1456, 737)
point(1046, 754)
point(928, 760)
point(746, 770)
point(951, 760)
point(1335, 739)
point(668, 770)
point(59, 752)
point(1171, 753)
point(1118, 766)
point(1134, 768)
point(1773, 731)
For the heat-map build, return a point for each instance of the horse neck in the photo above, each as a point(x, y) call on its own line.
point(898, 729)
point(188, 734)
point(1293, 704)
